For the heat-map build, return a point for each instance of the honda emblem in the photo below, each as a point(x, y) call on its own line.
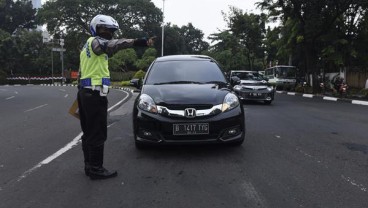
point(190, 112)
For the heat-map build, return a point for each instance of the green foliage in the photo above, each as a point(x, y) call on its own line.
point(319, 33)
point(119, 76)
point(146, 60)
point(364, 92)
point(125, 83)
point(184, 40)
point(16, 14)
point(139, 74)
point(240, 47)
point(122, 60)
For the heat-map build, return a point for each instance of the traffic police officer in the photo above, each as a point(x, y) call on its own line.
point(94, 86)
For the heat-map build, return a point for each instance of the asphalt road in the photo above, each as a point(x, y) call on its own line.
point(299, 152)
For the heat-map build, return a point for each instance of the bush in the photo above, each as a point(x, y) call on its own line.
point(299, 88)
point(121, 76)
point(125, 83)
point(364, 92)
point(139, 74)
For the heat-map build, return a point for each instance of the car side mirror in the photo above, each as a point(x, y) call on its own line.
point(235, 80)
point(136, 83)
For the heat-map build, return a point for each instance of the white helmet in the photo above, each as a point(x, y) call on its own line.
point(103, 21)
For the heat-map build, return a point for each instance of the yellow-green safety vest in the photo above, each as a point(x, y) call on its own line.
point(94, 68)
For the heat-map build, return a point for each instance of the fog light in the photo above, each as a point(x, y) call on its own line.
point(232, 131)
point(147, 133)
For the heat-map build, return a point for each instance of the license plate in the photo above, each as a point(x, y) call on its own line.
point(255, 94)
point(190, 129)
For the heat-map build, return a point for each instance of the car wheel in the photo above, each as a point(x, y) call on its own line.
point(268, 102)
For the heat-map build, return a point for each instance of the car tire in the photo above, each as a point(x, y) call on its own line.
point(268, 102)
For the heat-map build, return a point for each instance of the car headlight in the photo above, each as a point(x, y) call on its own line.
point(146, 103)
point(237, 87)
point(231, 101)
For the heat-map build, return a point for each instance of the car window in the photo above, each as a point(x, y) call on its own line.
point(249, 76)
point(185, 71)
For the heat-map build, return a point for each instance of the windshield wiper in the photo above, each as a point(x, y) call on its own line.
point(178, 82)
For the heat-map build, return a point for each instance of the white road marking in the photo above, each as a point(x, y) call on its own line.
point(66, 95)
point(10, 98)
point(252, 195)
point(291, 93)
point(41, 106)
point(67, 147)
point(62, 90)
point(352, 182)
point(345, 178)
point(112, 107)
point(16, 92)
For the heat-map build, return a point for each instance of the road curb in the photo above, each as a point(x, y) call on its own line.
point(327, 98)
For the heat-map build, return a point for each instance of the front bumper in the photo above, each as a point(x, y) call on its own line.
point(157, 129)
point(263, 95)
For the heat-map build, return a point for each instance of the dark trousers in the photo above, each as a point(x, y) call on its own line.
point(93, 120)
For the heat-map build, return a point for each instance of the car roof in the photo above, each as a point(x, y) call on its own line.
point(184, 58)
point(244, 71)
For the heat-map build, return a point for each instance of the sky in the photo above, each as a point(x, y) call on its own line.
point(205, 15)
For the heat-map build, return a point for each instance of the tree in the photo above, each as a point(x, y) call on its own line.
point(16, 14)
point(249, 29)
point(147, 58)
point(193, 39)
point(121, 60)
point(271, 46)
point(226, 51)
point(323, 31)
point(240, 46)
point(71, 18)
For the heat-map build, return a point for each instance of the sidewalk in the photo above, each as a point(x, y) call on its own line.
point(325, 97)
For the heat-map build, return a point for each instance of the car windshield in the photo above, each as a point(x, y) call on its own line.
point(185, 72)
point(254, 76)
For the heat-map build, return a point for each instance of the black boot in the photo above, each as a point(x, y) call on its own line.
point(96, 170)
point(97, 173)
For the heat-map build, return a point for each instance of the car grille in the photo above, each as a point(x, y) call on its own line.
point(179, 111)
point(255, 89)
point(183, 107)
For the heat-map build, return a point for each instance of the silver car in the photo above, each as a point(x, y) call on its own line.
point(251, 85)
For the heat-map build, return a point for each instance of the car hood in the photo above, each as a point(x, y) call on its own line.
point(186, 93)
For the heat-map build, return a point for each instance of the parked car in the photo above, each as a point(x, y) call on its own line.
point(251, 85)
point(187, 99)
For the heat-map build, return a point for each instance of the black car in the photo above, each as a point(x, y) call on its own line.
point(187, 99)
